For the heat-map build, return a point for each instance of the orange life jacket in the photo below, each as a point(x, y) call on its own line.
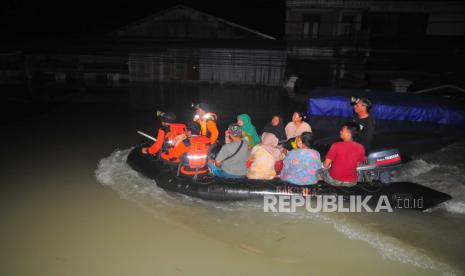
point(175, 130)
point(197, 156)
point(168, 149)
point(203, 122)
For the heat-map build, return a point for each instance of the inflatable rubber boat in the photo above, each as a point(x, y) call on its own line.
point(401, 195)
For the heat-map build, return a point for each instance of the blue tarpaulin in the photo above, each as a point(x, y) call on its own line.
point(387, 106)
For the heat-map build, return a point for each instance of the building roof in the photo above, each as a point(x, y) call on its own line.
point(147, 23)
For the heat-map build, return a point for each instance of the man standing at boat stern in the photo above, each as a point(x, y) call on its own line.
point(362, 107)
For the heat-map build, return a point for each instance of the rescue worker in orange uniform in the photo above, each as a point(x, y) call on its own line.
point(194, 159)
point(207, 122)
point(166, 137)
point(182, 142)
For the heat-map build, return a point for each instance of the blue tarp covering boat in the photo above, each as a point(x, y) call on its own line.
point(387, 106)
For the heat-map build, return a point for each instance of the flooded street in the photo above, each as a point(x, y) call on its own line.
point(70, 205)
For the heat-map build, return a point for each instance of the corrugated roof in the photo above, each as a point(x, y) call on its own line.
point(177, 7)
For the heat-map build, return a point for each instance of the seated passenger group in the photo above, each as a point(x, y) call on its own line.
point(246, 154)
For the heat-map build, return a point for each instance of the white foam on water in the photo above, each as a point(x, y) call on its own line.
point(444, 171)
point(456, 207)
point(114, 172)
point(414, 168)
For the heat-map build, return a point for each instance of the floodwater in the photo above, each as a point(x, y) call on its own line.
point(71, 206)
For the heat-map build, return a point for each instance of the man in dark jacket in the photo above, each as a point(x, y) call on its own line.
point(362, 106)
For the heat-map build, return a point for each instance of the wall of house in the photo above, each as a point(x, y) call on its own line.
point(446, 24)
point(169, 65)
point(12, 67)
point(246, 66)
point(103, 68)
point(264, 67)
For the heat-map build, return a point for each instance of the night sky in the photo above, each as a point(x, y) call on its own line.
point(58, 19)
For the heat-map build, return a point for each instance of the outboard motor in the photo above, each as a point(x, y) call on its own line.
point(379, 166)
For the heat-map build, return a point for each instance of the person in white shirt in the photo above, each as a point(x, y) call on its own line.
point(297, 126)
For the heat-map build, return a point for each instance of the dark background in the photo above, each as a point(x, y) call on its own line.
point(22, 19)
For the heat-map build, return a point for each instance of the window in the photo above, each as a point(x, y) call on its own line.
point(348, 25)
point(376, 23)
point(413, 24)
point(311, 26)
point(406, 24)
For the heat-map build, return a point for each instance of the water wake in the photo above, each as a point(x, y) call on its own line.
point(444, 171)
point(115, 173)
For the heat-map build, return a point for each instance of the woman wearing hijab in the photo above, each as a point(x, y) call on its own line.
point(249, 131)
point(276, 127)
point(263, 157)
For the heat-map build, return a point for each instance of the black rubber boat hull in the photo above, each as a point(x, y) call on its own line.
point(401, 195)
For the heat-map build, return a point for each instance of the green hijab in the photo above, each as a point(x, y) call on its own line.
point(249, 128)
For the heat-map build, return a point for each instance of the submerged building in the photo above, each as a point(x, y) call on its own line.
point(177, 44)
point(195, 46)
point(351, 43)
point(367, 43)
